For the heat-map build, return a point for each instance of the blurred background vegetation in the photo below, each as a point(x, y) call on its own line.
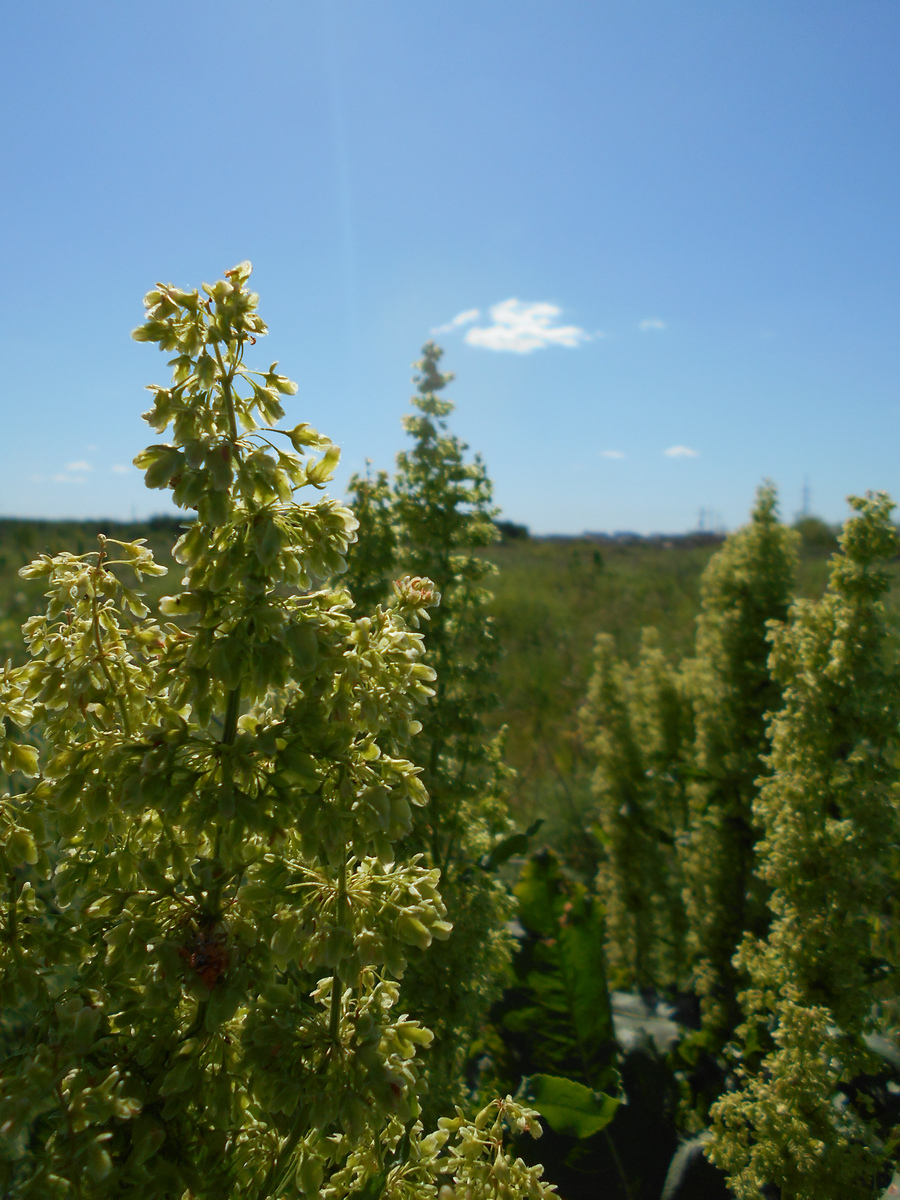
point(552, 596)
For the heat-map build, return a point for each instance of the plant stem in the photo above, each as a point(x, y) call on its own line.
point(227, 377)
point(12, 926)
point(629, 1191)
point(120, 703)
point(101, 652)
point(277, 1171)
point(232, 711)
point(229, 733)
point(334, 1018)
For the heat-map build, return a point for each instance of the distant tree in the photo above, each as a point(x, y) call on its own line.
point(511, 532)
point(816, 535)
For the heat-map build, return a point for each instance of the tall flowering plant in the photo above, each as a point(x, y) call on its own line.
point(205, 916)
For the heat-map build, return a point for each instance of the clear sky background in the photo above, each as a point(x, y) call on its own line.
point(677, 221)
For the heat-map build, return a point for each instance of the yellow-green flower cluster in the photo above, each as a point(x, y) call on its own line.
point(637, 723)
point(828, 809)
point(204, 902)
point(432, 520)
point(746, 585)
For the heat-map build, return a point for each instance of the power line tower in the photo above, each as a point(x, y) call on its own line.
point(805, 498)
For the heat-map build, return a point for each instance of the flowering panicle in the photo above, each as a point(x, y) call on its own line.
point(432, 521)
point(801, 1118)
point(204, 906)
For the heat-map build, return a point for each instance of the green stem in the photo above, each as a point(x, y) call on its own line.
point(198, 1022)
point(232, 712)
point(277, 1171)
point(101, 655)
point(334, 1018)
point(618, 1165)
point(12, 924)
point(227, 377)
point(334, 1023)
point(101, 651)
point(229, 733)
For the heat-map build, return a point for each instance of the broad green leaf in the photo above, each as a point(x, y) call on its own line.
point(562, 972)
point(583, 968)
point(302, 642)
point(570, 1107)
point(20, 848)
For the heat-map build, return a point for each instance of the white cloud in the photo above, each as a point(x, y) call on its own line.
point(520, 327)
point(60, 478)
point(118, 469)
point(611, 454)
point(81, 465)
point(651, 323)
point(463, 318)
point(681, 452)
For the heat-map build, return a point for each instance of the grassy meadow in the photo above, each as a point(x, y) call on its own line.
point(552, 595)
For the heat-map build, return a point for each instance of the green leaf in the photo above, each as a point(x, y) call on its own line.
point(214, 508)
point(304, 435)
point(280, 382)
point(571, 1108)
point(223, 1003)
point(18, 757)
point(99, 1163)
point(228, 659)
point(303, 644)
point(218, 463)
point(583, 967)
point(182, 1077)
point(160, 464)
point(85, 1031)
point(206, 370)
point(146, 1139)
point(538, 892)
point(150, 331)
point(372, 1188)
point(184, 602)
point(319, 473)
point(267, 539)
point(20, 848)
point(562, 971)
point(516, 843)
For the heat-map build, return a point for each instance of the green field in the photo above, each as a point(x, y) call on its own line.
point(552, 595)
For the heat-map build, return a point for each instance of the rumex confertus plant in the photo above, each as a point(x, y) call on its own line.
point(746, 584)
point(204, 912)
point(433, 519)
point(636, 721)
point(802, 1119)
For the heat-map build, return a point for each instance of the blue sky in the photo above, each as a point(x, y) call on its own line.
point(678, 224)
